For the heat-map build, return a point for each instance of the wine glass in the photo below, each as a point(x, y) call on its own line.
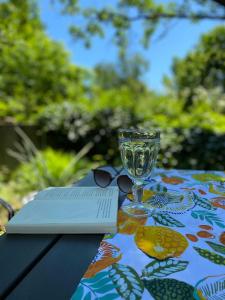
point(139, 149)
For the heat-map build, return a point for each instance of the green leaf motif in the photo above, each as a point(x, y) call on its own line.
point(157, 269)
point(210, 287)
point(208, 177)
point(203, 202)
point(88, 296)
point(169, 289)
point(79, 293)
point(98, 287)
point(108, 236)
point(127, 282)
point(109, 296)
point(166, 220)
point(207, 216)
point(212, 256)
point(217, 247)
point(159, 188)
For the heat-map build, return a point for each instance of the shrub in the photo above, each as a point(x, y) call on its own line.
point(71, 128)
point(50, 168)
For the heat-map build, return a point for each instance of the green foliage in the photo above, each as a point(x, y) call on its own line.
point(73, 107)
point(40, 169)
point(35, 71)
point(203, 67)
point(50, 168)
point(126, 73)
point(69, 126)
point(203, 150)
point(74, 128)
point(122, 15)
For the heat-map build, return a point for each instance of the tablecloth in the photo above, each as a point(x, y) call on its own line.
point(176, 253)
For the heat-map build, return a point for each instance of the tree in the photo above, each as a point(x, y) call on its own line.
point(127, 72)
point(202, 67)
point(34, 70)
point(122, 15)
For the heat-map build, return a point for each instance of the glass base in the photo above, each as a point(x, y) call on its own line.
point(136, 210)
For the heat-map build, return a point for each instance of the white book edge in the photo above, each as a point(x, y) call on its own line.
point(65, 229)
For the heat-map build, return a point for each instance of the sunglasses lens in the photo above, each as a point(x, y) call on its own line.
point(125, 183)
point(102, 178)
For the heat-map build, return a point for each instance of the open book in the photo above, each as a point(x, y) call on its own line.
point(68, 210)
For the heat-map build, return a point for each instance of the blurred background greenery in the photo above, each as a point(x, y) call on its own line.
point(58, 120)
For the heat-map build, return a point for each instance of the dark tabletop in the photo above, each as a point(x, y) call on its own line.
point(45, 266)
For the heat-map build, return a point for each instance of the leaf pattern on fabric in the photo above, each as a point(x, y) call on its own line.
point(218, 202)
point(207, 216)
point(127, 282)
point(98, 287)
point(202, 192)
point(166, 220)
point(171, 202)
point(208, 177)
point(159, 188)
point(155, 253)
point(169, 289)
point(217, 189)
point(217, 247)
point(212, 256)
point(210, 288)
point(109, 236)
point(203, 202)
point(222, 238)
point(173, 180)
point(205, 234)
point(107, 255)
point(205, 227)
point(158, 269)
point(192, 237)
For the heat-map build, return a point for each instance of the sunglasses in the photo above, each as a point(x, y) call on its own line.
point(104, 178)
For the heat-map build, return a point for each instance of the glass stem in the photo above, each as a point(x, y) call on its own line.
point(137, 191)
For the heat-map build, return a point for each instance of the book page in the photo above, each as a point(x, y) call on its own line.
point(80, 206)
point(61, 193)
point(101, 198)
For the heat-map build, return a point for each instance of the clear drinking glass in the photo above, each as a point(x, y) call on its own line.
point(139, 149)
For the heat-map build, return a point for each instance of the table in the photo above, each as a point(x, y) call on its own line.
point(177, 253)
point(45, 266)
point(51, 266)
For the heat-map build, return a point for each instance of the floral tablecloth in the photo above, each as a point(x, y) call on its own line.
point(177, 253)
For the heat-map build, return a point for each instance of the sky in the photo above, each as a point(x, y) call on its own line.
point(180, 39)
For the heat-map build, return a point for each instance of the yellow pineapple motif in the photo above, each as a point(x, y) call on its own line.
point(147, 194)
point(160, 242)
